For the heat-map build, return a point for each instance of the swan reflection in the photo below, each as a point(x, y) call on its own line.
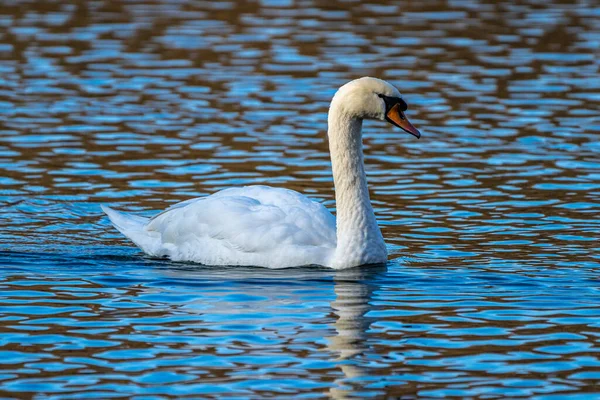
point(354, 291)
point(285, 303)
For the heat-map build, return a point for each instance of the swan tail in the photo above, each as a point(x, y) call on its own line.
point(132, 226)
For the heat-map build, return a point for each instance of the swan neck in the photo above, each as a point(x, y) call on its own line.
point(359, 239)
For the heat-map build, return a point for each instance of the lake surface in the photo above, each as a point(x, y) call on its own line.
point(492, 218)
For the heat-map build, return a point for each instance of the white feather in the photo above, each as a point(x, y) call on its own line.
point(275, 227)
point(252, 225)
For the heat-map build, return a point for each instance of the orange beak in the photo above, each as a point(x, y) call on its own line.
point(396, 117)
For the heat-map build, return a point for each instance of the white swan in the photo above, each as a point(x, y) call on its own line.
point(278, 228)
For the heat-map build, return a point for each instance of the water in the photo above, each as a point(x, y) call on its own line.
point(491, 218)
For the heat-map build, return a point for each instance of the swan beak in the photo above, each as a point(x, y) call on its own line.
point(396, 117)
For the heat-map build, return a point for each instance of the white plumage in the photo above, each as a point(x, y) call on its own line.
point(253, 225)
point(276, 227)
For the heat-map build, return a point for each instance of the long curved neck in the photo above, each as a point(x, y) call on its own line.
point(359, 240)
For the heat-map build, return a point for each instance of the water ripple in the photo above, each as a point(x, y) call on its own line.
point(490, 219)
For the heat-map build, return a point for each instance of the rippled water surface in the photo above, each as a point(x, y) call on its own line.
point(491, 218)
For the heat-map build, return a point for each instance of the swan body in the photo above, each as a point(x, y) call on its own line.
point(276, 227)
point(252, 225)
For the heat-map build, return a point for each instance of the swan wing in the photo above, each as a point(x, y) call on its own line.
point(253, 225)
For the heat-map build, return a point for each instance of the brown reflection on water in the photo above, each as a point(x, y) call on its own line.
point(427, 336)
point(142, 104)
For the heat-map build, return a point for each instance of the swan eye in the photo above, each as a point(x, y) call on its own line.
point(392, 101)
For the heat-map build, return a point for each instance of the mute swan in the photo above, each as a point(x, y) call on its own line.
point(276, 227)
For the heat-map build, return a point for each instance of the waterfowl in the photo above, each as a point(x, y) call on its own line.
point(276, 227)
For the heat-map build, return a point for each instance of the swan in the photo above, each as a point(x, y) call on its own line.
point(275, 227)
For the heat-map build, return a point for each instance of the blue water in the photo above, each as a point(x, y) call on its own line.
point(491, 218)
point(122, 324)
point(129, 325)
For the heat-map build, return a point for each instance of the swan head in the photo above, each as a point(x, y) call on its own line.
point(372, 98)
